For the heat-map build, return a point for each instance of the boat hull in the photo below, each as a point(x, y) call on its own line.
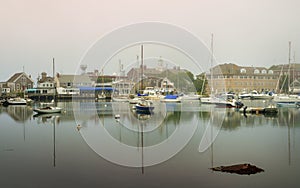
point(47, 110)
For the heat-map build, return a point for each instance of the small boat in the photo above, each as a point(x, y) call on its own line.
point(241, 169)
point(255, 95)
point(134, 100)
point(144, 106)
point(101, 96)
point(190, 97)
point(48, 110)
point(286, 100)
point(171, 98)
point(120, 99)
point(209, 100)
point(15, 101)
point(229, 103)
point(47, 103)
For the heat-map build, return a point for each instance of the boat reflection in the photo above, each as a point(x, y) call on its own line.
point(50, 119)
point(18, 113)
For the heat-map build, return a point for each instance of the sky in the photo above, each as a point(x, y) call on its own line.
point(246, 32)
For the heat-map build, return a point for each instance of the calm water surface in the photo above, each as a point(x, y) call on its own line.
point(49, 151)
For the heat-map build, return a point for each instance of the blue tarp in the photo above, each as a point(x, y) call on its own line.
point(171, 96)
point(142, 95)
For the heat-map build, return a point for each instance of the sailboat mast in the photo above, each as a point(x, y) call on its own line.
point(211, 62)
point(289, 73)
point(54, 147)
point(142, 66)
point(53, 72)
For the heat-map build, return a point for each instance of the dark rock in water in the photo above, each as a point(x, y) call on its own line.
point(242, 169)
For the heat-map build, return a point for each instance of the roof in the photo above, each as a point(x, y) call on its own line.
point(286, 66)
point(16, 76)
point(230, 68)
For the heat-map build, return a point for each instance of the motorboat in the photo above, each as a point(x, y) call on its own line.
point(15, 101)
point(255, 95)
point(171, 98)
point(190, 97)
point(286, 100)
point(144, 106)
point(229, 103)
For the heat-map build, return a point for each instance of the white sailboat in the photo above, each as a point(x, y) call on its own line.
point(118, 96)
point(211, 99)
point(287, 100)
point(49, 108)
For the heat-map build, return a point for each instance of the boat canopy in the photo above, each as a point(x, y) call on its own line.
point(95, 88)
point(31, 89)
point(171, 96)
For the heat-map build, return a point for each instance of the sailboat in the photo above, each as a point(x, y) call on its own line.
point(119, 96)
point(101, 96)
point(50, 108)
point(144, 106)
point(287, 99)
point(211, 99)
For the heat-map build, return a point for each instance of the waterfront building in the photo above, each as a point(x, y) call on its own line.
point(17, 83)
point(292, 69)
point(231, 77)
point(123, 87)
point(75, 81)
point(289, 76)
point(45, 89)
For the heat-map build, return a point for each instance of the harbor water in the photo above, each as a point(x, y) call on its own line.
point(87, 146)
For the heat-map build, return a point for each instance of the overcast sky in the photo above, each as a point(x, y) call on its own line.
point(247, 32)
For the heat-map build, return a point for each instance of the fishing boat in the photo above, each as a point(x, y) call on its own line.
point(48, 110)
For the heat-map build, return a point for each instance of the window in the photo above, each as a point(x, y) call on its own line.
point(256, 71)
point(264, 71)
point(243, 70)
point(18, 86)
point(270, 72)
